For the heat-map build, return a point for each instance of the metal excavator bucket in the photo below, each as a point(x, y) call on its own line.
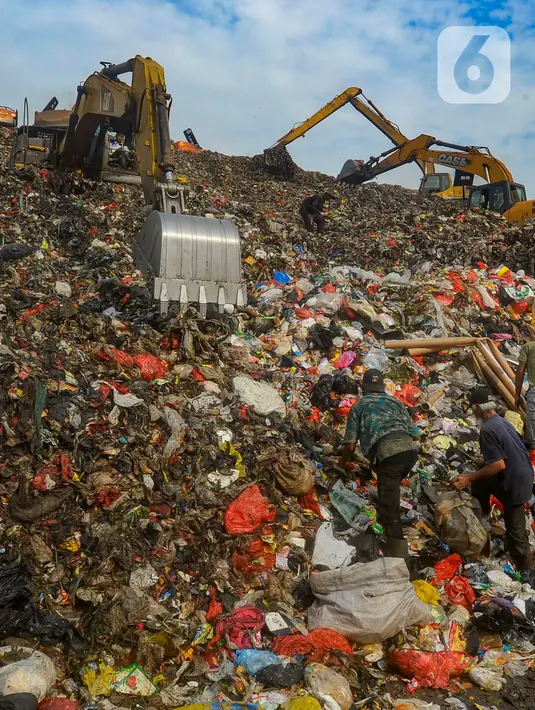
point(353, 172)
point(191, 260)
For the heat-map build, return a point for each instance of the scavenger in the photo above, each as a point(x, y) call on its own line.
point(387, 437)
point(507, 474)
point(311, 211)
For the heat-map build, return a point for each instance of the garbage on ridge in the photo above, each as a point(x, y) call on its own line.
point(171, 493)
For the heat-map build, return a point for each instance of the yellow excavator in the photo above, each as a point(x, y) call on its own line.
point(8, 117)
point(502, 194)
point(189, 259)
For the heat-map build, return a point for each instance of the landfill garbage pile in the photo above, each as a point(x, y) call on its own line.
point(175, 523)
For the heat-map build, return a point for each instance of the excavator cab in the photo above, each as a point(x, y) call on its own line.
point(498, 196)
point(435, 183)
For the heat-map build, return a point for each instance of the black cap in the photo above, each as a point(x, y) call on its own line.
point(372, 381)
point(480, 395)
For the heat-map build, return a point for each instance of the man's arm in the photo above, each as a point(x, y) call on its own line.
point(466, 479)
point(519, 381)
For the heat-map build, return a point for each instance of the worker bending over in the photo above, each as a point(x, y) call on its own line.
point(387, 435)
point(507, 475)
point(312, 211)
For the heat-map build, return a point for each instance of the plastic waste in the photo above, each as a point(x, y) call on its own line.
point(458, 524)
point(132, 680)
point(486, 678)
point(56, 704)
point(281, 277)
point(259, 395)
point(375, 359)
point(431, 669)
point(330, 552)
point(247, 513)
point(280, 676)
point(426, 592)
point(254, 661)
point(306, 702)
point(330, 688)
point(34, 673)
point(367, 602)
point(318, 645)
point(460, 592)
point(21, 701)
point(346, 502)
point(346, 359)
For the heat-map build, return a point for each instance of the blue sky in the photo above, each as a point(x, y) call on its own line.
point(242, 72)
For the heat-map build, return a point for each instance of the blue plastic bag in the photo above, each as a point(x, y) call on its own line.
point(254, 661)
point(281, 277)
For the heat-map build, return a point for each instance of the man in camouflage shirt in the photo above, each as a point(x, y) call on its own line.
point(382, 426)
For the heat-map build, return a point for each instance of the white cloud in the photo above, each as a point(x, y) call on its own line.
point(242, 72)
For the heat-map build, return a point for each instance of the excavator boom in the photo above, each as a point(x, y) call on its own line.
point(420, 149)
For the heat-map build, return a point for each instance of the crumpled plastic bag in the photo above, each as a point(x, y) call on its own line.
point(34, 673)
point(367, 602)
point(460, 592)
point(426, 592)
point(318, 644)
point(254, 660)
point(295, 473)
point(259, 395)
point(240, 629)
point(459, 526)
point(330, 688)
point(330, 552)
point(247, 513)
point(431, 669)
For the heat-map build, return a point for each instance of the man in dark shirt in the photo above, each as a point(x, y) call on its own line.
point(507, 474)
point(386, 434)
point(312, 211)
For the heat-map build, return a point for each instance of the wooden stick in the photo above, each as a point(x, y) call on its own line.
point(440, 343)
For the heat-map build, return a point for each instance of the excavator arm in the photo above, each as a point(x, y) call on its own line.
point(469, 159)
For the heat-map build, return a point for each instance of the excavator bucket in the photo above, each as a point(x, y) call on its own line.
point(353, 172)
point(279, 163)
point(191, 260)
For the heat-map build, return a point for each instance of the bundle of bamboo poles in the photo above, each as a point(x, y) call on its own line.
point(489, 363)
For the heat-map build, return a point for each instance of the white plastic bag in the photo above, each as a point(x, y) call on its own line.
point(368, 602)
point(34, 674)
point(330, 688)
point(330, 552)
point(259, 395)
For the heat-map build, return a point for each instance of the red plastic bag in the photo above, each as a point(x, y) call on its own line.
point(151, 367)
point(111, 354)
point(409, 395)
point(432, 670)
point(241, 629)
point(57, 704)
point(319, 645)
point(447, 568)
point(258, 558)
point(216, 608)
point(460, 592)
point(247, 513)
